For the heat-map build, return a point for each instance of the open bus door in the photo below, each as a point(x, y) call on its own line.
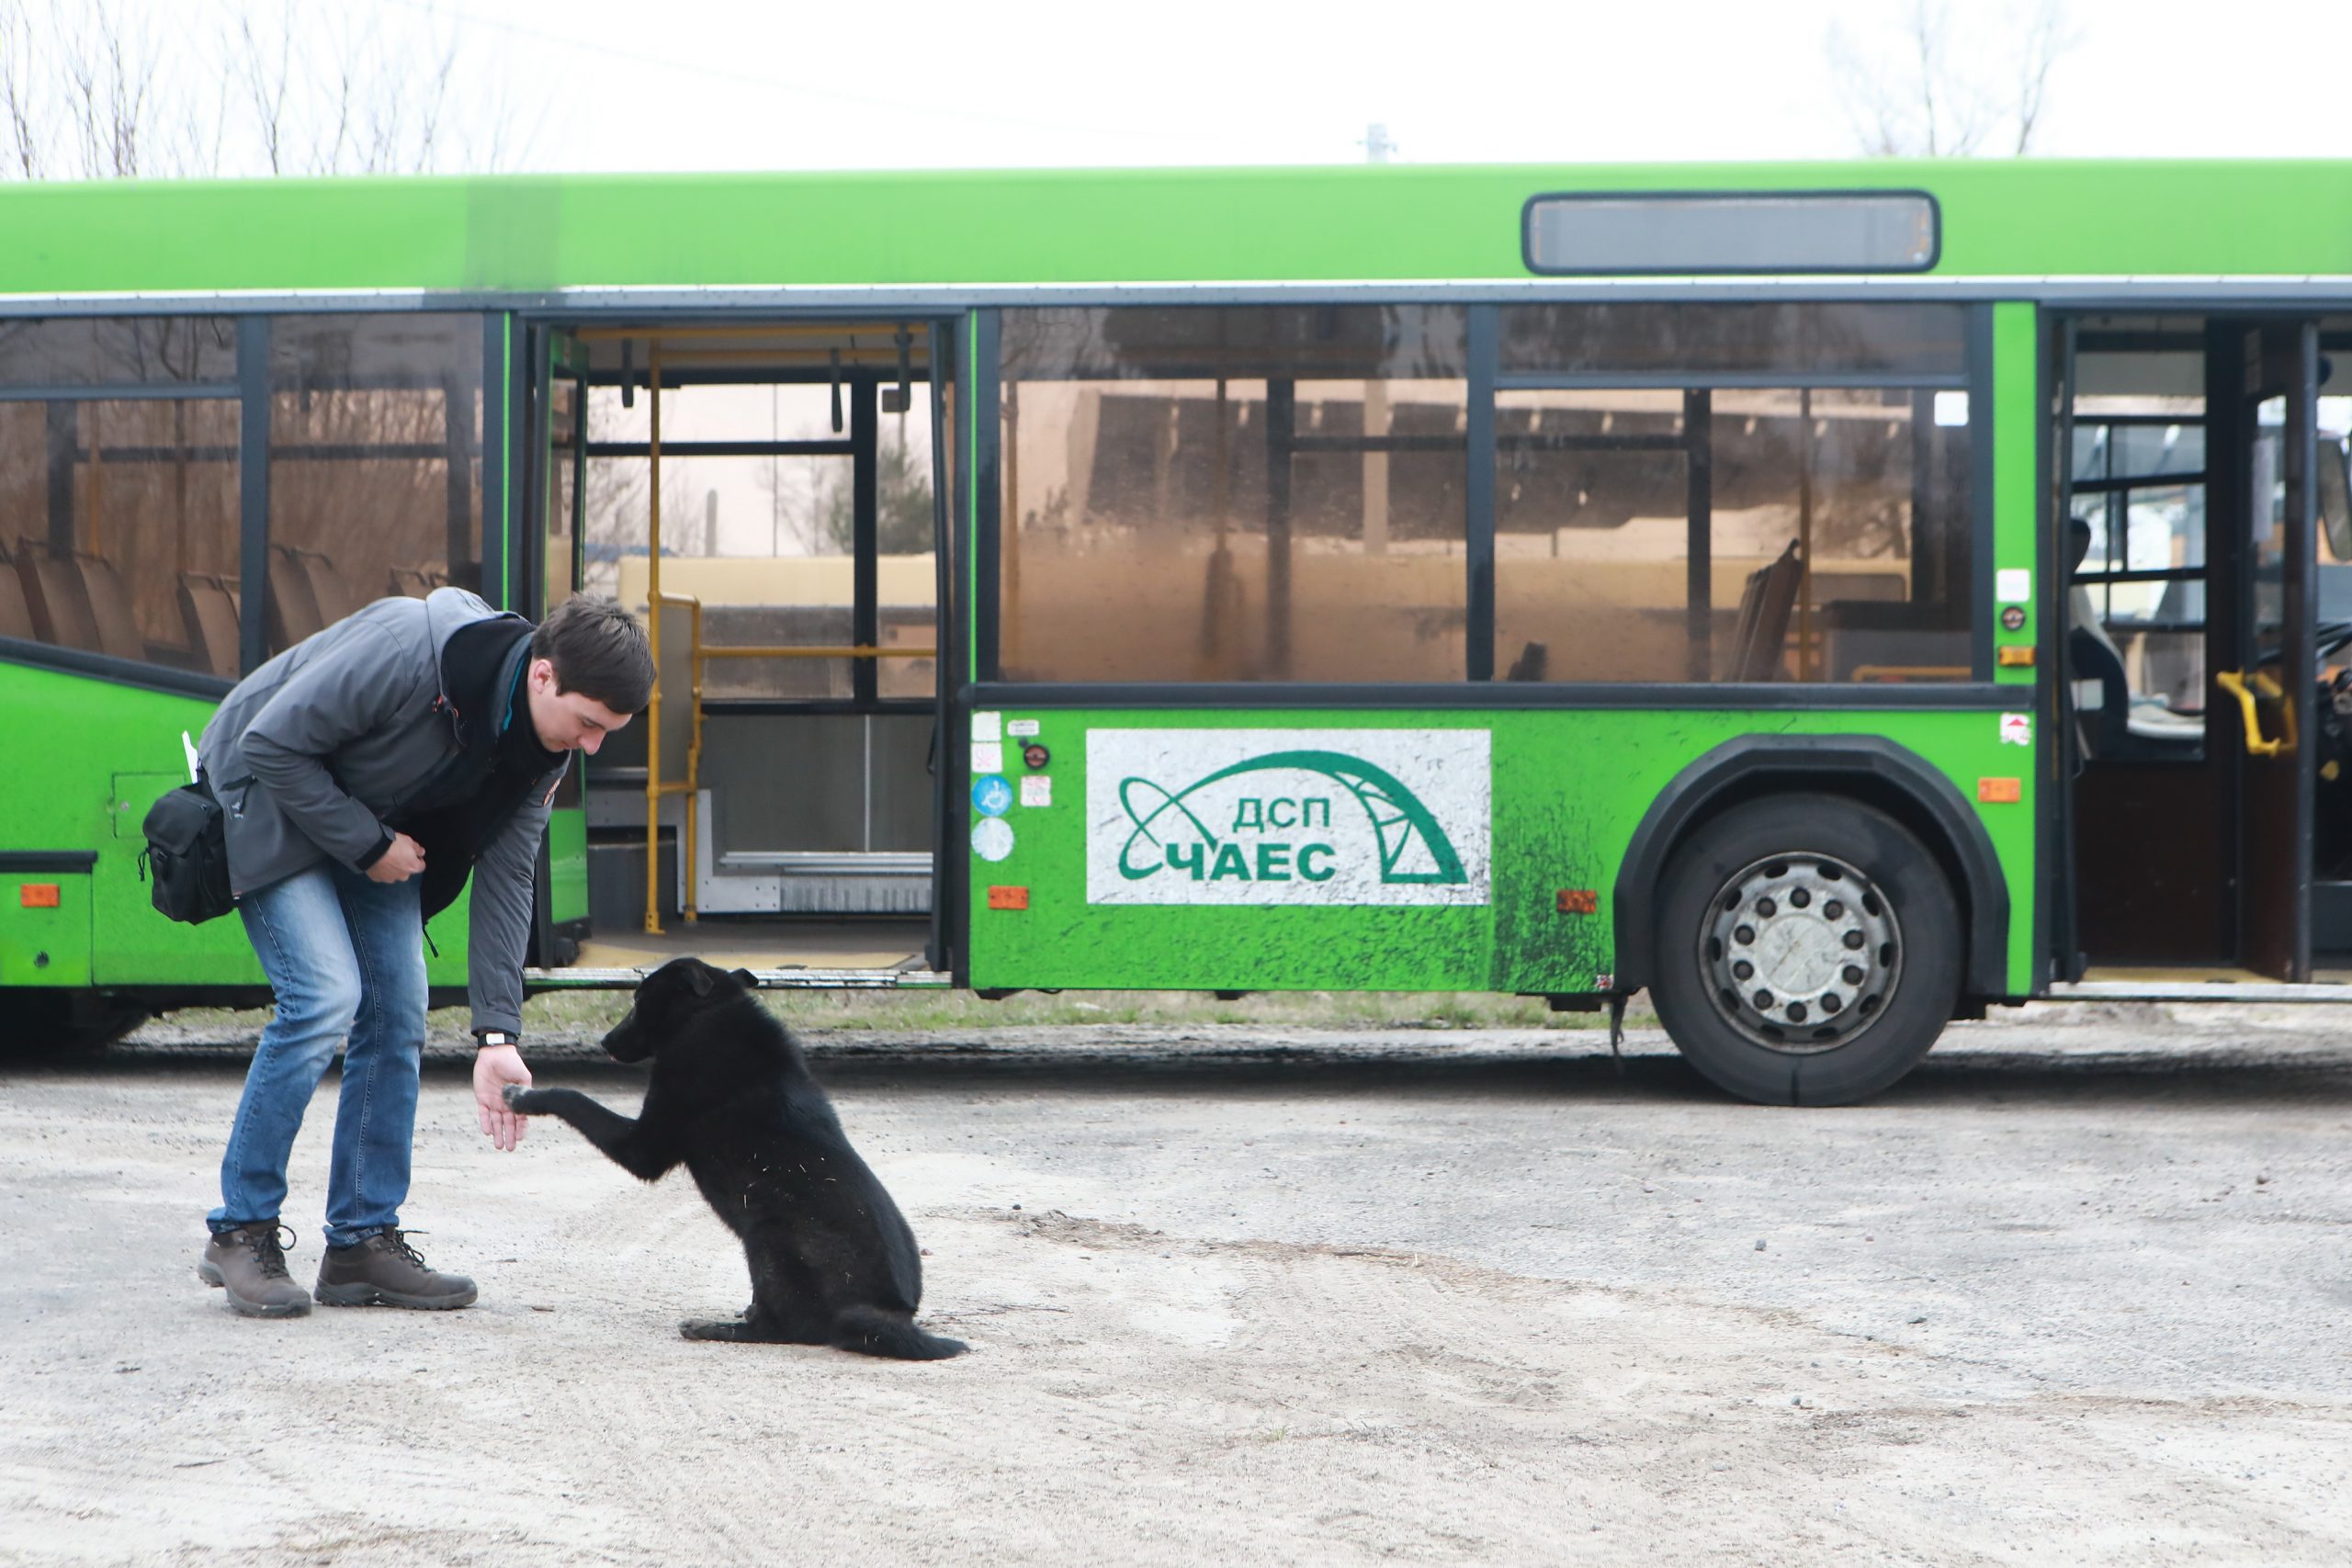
point(2185, 520)
point(2266, 689)
point(2063, 953)
point(754, 485)
point(940, 954)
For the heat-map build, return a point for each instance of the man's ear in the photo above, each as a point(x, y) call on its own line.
point(751, 981)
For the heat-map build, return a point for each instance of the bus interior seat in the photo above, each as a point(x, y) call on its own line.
point(110, 611)
point(15, 615)
point(209, 610)
point(1890, 639)
point(2112, 724)
point(416, 581)
point(328, 591)
point(289, 608)
point(1759, 643)
point(53, 592)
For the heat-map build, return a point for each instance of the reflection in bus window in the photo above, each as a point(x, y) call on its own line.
point(1234, 494)
point(375, 464)
point(148, 352)
point(122, 510)
point(1690, 524)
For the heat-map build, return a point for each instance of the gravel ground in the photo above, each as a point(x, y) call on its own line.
point(2074, 1293)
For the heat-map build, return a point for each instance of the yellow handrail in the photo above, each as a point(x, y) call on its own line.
point(2234, 682)
point(689, 787)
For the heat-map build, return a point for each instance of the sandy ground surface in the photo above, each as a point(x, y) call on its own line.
point(2075, 1293)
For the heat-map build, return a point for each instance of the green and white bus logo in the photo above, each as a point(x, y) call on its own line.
point(1312, 817)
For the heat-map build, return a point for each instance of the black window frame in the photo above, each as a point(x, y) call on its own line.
point(1477, 686)
point(252, 387)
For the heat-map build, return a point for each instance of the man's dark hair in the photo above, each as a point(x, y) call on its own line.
point(599, 651)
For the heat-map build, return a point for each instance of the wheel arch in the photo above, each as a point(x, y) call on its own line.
point(1866, 767)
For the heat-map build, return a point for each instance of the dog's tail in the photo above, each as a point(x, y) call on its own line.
point(877, 1331)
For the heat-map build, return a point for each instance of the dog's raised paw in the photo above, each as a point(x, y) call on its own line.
point(515, 1096)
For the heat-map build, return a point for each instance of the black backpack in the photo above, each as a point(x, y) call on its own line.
point(187, 859)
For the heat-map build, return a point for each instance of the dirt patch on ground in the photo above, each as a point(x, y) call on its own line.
point(2070, 1295)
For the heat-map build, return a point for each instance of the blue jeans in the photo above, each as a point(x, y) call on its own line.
point(345, 957)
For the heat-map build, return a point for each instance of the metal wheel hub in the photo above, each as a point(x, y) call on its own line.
point(1800, 952)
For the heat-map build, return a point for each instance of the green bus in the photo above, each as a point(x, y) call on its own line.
point(1832, 597)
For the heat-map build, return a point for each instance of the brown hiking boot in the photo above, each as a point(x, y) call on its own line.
point(385, 1271)
point(250, 1264)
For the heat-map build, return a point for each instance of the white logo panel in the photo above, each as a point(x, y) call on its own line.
point(1288, 816)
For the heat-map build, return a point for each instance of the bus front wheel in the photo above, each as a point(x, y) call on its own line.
point(1808, 950)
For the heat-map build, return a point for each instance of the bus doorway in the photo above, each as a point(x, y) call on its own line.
point(2193, 479)
point(768, 495)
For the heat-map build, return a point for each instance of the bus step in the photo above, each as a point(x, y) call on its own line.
point(622, 979)
point(2202, 991)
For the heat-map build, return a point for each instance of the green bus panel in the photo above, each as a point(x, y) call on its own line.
point(1371, 851)
point(44, 928)
point(568, 864)
point(2016, 429)
point(105, 751)
point(2006, 217)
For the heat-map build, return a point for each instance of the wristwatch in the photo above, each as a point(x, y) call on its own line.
point(486, 1037)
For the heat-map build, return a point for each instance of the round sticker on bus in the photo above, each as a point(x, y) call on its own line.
point(991, 795)
point(992, 837)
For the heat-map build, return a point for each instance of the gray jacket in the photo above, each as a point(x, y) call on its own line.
point(312, 751)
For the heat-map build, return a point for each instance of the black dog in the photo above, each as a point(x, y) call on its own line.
point(833, 1260)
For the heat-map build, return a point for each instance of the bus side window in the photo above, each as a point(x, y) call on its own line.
point(1234, 493)
point(374, 467)
point(1791, 510)
point(119, 478)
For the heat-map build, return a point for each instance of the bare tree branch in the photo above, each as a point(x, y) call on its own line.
point(90, 90)
point(1932, 87)
point(264, 81)
point(2047, 35)
point(16, 91)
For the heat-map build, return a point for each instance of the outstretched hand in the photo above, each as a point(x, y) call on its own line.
point(496, 1067)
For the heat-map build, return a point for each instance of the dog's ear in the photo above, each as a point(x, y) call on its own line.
point(751, 981)
point(698, 978)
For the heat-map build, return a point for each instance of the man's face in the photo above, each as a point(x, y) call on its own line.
point(567, 721)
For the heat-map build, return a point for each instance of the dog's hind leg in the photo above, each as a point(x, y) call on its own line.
point(883, 1331)
point(784, 1311)
point(629, 1145)
point(758, 1326)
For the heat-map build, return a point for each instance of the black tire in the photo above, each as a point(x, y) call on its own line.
point(38, 1022)
point(1791, 882)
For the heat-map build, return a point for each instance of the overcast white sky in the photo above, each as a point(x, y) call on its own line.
point(752, 83)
